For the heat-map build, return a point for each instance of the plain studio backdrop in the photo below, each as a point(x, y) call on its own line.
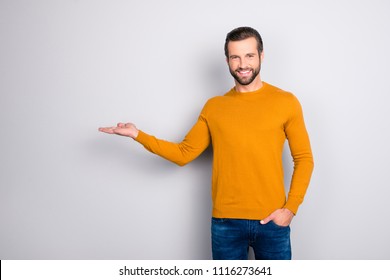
point(69, 67)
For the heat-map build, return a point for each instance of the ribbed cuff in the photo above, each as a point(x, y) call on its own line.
point(141, 137)
point(292, 205)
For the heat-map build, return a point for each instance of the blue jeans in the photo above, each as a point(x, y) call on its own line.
point(231, 239)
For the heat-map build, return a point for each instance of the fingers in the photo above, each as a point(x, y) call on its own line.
point(123, 129)
point(280, 217)
point(113, 129)
point(270, 217)
point(267, 219)
point(109, 130)
point(125, 125)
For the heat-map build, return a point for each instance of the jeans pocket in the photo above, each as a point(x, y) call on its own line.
point(276, 225)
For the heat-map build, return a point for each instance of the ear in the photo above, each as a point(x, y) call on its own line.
point(262, 56)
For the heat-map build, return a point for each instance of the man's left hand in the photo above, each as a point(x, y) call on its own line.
point(281, 217)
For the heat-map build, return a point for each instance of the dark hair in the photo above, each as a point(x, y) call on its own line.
point(242, 33)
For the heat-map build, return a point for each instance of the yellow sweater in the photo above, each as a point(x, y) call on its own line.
point(247, 132)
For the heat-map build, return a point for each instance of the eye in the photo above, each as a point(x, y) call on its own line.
point(234, 57)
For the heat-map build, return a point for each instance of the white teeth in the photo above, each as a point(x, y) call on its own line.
point(244, 72)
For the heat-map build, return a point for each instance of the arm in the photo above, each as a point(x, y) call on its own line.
point(299, 144)
point(194, 143)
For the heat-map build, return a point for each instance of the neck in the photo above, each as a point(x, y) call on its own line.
point(255, 85)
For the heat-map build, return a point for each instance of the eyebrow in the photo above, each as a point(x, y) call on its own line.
point(235, 55)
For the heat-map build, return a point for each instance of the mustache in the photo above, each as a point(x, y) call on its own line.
point(244, 69)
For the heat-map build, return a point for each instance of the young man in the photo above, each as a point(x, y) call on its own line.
point(247, 128)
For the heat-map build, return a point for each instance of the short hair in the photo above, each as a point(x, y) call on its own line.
point(242, 33)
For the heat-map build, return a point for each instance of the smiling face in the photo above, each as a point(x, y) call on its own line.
point(244, 63)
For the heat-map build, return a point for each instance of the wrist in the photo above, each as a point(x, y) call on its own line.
point(286, 210)
point(135, 134)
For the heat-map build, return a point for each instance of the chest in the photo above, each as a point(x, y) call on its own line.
point(254, 118)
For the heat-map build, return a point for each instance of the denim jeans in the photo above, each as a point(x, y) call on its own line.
point(231, 239)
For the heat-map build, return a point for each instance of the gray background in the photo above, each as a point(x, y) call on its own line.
point(68, 67)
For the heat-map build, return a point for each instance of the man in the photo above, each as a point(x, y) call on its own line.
point(247, 128)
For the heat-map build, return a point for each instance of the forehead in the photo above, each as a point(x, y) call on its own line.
point(245, 46)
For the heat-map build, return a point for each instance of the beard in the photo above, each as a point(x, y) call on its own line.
point(244, 81)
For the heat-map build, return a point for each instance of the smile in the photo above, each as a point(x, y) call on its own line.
point(244, 73)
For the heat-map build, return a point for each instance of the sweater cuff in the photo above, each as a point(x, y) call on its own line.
point(141, 137)
point(292, 206)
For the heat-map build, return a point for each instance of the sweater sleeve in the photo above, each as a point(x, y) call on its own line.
point(301, 153)
point(194, 143)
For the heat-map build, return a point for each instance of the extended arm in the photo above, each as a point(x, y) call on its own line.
point(194, 143)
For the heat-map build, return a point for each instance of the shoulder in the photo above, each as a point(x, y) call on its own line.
point(282, 96)
point(280, 93)
point(216, 104)
point(217, 100)
point(286, 101)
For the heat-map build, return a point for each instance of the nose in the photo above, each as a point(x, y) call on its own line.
point(243, 63)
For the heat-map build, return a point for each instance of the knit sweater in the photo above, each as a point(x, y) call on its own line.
point(247, 132)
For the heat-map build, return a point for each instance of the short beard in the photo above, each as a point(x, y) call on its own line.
point(248, 80)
